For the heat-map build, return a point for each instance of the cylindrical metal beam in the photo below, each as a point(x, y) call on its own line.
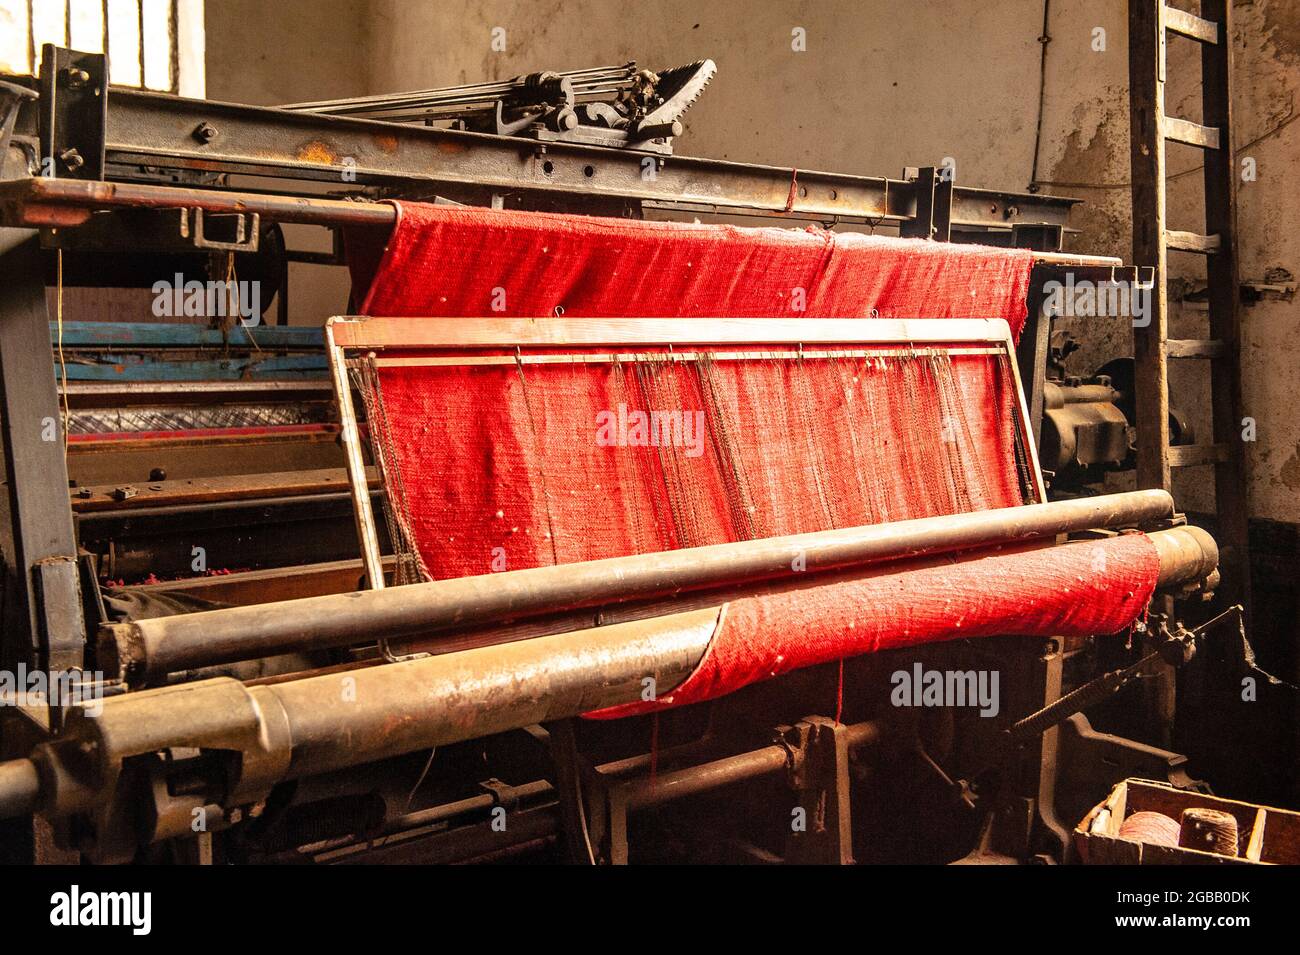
point(730, 770)
point(1187, 555)
point(335, 720)
point(149, 649)
point(20, 788)
point(390, 710)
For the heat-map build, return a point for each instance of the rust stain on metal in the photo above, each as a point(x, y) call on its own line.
point(387, 142)
point(315, 151)
point(392, 723)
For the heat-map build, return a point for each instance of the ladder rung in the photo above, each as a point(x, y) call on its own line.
point(1191, 242)
point(1191, 134)
point(1188, 455)
point(1195, 348)
point(1190, 25)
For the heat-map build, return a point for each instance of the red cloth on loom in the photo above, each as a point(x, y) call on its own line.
point(502, 468)
point(504, 471)
point(1077, 589)
point(452, 260)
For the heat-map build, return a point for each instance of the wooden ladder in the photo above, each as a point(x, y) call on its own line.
point(1150, 24)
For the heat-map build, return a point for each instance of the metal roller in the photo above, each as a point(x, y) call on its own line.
point(147, 650)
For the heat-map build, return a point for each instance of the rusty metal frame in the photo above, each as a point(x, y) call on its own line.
point(371, 336)
point(142, 132)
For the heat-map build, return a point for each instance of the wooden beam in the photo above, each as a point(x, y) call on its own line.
point(1192, 242)
point(1231, 492)
point(1190, 455)
point(1190, 25)
point(1147, 161)
point(1191, 134)
point(1195, 348)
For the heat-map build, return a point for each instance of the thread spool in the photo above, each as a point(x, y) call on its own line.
point(1153, 828)
point(1209, 830)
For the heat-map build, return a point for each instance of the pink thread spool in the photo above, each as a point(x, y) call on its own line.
point(1153, 828)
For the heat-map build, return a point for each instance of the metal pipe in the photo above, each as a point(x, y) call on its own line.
point(149, 649)
point(730, 770)
point(20, 788)
point(336, 720)
point(1187, 555)
point(403, 707)
point(487, 163)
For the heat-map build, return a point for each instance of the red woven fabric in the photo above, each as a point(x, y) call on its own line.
point(504, 467)
point(1077, 589)
point(460, 261)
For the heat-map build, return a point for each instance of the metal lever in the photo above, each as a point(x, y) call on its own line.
point(1176, 647)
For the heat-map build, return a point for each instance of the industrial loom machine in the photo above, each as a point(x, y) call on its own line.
point(586, 531)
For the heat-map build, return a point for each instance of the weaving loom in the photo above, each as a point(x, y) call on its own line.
point(601, 469)
point(704, 431)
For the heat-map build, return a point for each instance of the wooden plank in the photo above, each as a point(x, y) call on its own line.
point(1193, 242)
point(249, 587)
point(210, 489)
point(1147, 163)
point(1195, 348)
point(379, 333)
point(1191, 134)
point(1223, 281)
point(1256, 844)
point(1190, 25)
point(1190, 455)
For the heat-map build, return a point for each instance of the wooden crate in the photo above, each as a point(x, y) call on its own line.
point(1266, 836)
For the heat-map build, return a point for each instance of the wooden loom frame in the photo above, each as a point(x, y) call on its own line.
point(650, 339)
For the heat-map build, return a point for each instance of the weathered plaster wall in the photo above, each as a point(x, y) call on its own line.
point(286, 51)
point(1268, 84)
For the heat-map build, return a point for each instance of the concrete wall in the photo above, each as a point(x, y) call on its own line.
point(286, 51)
point(1268, 84)
point(883, 84)
point(291, 51)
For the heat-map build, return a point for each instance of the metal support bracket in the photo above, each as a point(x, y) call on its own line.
point(934, 195)
point(43, 621)
point(821, 780)
point(73, 113)
point(243, 230)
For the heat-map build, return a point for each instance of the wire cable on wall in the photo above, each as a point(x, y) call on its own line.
point(1044, 38)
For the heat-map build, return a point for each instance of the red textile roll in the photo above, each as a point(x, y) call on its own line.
point(1075, 589)
point(459, 261)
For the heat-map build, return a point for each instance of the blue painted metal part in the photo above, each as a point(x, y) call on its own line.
point(120, 351)
point(176, 335)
